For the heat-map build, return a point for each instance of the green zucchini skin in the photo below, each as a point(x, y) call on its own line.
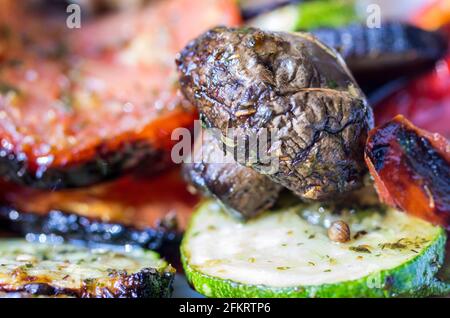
point(415, 278)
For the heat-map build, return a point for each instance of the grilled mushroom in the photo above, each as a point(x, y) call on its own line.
point(243, 191)
point(297, 88)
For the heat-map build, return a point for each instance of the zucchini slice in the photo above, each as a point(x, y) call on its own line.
point(282, 255)
point(68, 270)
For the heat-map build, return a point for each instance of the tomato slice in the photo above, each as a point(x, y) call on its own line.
point(411, 169)
point(80, 106)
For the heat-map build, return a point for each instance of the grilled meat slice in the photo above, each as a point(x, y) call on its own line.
point(243, 191)
point(292, 85)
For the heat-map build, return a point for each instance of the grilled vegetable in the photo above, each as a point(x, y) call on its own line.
point(291, 86)
point(149, 213)
point(80, 106)
point(243, 191)
point(411, 168)
point(281, 255)
point(73, 227)
point(57, 270)
point(374, 55)
point(130, 200)
point(128, 211)
point(394, 44)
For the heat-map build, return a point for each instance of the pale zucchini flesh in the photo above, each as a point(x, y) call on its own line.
point(281, 255)
point(64, 269)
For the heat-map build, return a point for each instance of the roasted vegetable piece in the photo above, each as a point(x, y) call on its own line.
point(67, 270)
point(75, 227)
point(243, 191)
point(378, 55)
point(290, 85)
point(80, 106)
point(394, 44)
point(411, 168)
point(281, 255)
point(149, 213)
point(374, 55)
point(425, 101)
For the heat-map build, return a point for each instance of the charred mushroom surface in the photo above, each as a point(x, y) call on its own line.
point(290, 84)
point(243, 191)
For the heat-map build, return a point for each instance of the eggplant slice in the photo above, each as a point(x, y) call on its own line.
point(289, 84)
point(148, 213)
point(392, 44)
point(375, 55)
point(393, 50)
point(66, 270)
point(74, 227)
point(243, 191)
point(80, 106)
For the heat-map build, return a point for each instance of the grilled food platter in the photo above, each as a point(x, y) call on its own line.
point(222, 148)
